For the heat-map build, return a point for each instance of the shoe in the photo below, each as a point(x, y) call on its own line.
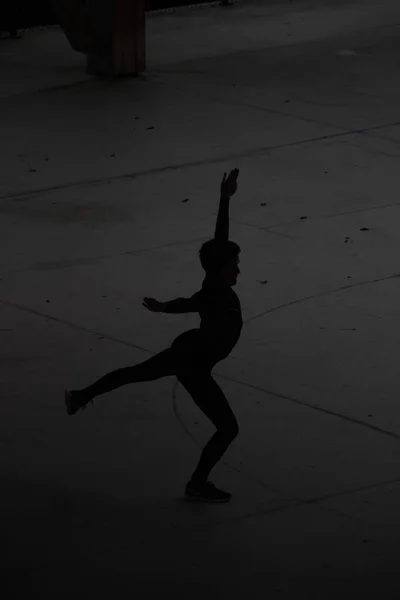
point(205, 492)
point(73, 402)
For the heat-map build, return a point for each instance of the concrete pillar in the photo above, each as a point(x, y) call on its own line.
point(116, 37)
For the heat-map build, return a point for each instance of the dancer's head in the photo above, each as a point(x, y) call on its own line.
point(220, 261)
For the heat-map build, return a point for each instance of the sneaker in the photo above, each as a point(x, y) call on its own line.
point(74, 402)
point(205, 492)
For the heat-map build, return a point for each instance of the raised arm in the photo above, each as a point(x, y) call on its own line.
point(228, 188)
point(222, 226)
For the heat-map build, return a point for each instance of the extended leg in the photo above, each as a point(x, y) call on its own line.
point(212, 402)
point(160, 365)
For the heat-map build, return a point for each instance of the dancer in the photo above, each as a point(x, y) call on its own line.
point(193, 354)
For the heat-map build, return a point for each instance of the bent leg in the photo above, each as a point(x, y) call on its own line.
point(211, 400)
point(160, 365)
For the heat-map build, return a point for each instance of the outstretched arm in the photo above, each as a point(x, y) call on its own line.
point(228, 188)
point(177, 306)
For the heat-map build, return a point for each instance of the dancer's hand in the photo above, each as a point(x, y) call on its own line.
point(229, 184)
point(153, 305)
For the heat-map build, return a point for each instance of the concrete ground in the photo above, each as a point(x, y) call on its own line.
point(108, 189)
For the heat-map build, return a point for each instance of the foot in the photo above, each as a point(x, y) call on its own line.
point(205, 492)
point(74, 401)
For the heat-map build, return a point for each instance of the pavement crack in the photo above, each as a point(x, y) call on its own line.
point(91, 260)
point(267, 229)
point(72, 325)
point(315, 407)
point(108, 179)
point(319, 294)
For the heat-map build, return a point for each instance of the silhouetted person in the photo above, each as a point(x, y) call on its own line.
point(194, 353)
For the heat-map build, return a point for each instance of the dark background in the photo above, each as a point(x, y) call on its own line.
point(32, 13)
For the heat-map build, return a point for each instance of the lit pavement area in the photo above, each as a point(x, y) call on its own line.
point(107, 191)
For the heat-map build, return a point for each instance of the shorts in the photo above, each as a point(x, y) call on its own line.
point(192, 351)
